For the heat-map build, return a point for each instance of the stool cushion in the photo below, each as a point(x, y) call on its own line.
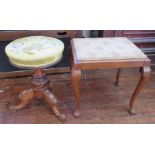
point(106, 49)
point(34, 51)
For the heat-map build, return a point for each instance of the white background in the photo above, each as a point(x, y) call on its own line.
point(77, 139)
point(77, 14)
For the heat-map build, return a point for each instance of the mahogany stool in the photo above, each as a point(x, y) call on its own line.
point(36, 52)
point(100, 53)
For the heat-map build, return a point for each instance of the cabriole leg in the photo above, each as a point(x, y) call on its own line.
point(75, 77)
point(145, 76)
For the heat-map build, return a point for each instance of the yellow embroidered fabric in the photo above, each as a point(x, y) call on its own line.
point(34, 51)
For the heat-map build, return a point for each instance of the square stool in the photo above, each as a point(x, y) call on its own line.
point(100, 53)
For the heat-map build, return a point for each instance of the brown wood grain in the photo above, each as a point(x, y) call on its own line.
point(101, 101)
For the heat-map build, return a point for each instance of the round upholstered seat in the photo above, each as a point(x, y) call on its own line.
point(34, 51)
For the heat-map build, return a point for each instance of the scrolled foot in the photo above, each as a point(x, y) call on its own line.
point(77, 113)
point(12, 108)
point(132, 111)
point(24, 98)
point(62, 117)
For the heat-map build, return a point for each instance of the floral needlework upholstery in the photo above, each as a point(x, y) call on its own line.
point(106, 49)
point(34, 51)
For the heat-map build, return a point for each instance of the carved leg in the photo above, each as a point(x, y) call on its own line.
point(145, 76)
point(76, 75)
point(118, 77)
point(24, 98)
point(52, 103)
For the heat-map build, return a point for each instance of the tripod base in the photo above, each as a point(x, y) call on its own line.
point(40, 89)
